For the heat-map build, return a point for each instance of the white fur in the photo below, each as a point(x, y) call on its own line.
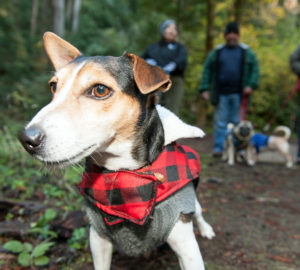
point(75, 126)
point(71, 137)
point(175, 128)
point(117, 156)
point(204, 228)
point(183, 242)
point(101, 250)
point(285, 130)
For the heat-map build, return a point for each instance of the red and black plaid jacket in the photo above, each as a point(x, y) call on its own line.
point(131, 195)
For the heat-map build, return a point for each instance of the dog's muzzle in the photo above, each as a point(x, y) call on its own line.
point(244, 131)
point(31, 139)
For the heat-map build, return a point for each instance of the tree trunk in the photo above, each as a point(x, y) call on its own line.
point(44, 16)
point(69, 10)
point(202, 105)
point(178, 14)
point(209, 26)
point(76, 13)
point(34, 12)
point(58, 17)
point(238, 10)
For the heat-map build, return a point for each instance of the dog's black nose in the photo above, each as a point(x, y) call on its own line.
point(244, 131)
point(31, 138)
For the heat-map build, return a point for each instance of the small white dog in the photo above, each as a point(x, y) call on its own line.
point(274, 142)
point(103, 109)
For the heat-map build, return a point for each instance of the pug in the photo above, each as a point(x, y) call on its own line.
point(238, 143)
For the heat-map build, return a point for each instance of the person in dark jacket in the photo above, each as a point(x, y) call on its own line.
point(295, 66)
point(230, 73)
point(171, 56)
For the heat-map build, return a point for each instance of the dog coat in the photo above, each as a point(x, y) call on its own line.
point(259, 140)
point(131, 195)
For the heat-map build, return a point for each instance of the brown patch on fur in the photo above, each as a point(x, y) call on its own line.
point(186, 218)
point(126, 127)
point(147, 77)
point(152, 99)
point(89, 75)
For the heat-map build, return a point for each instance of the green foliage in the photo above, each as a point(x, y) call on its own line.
point(42, 226)
point(14, 246)
point(29, 255)
point(111, 27)
point(78, 239)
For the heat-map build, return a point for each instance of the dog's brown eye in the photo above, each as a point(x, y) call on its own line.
point(101, 92)
point(53, 87)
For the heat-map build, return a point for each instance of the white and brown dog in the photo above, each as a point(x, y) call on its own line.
point(239, 138)
point(278, 141)
point(103, 109)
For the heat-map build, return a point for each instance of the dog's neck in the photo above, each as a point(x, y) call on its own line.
point(118, 155)
point(161, 127)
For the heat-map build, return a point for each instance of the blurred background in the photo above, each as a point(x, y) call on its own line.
point(112, 27)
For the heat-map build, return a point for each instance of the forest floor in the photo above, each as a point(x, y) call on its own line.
point(255, 213)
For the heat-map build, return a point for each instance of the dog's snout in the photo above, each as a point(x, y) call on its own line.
point(31, 138)
point(245, 131)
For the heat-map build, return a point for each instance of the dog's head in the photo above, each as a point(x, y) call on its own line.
point(102, 106)
point(243, 131)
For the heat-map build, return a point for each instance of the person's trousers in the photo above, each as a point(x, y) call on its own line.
point(173, 97)
point(227, 111)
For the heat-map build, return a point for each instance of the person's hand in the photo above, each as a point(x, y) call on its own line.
point(151, 61)
point(169, 67)
point(247, 91)
point(206, 95)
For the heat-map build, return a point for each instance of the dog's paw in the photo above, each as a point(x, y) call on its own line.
point(251, 162)
point(289, 165)
point(231, 163)
point(207, 231)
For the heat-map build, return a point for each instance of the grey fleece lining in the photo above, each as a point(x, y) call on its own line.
point(134, 240)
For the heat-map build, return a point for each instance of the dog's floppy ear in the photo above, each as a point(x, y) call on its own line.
point(147, 77)
point(59, 51)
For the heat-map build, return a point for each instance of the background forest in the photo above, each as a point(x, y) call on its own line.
point(111, 27)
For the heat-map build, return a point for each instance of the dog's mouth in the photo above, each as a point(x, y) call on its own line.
point(69, 160)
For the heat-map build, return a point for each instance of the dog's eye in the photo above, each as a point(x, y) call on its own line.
point(53, 87)
point(101, 92)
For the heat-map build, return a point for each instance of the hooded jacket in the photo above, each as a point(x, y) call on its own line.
point(249, 72)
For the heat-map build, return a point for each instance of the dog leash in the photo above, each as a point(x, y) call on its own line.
point(283, 104)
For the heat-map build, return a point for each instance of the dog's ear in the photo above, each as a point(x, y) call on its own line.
point(59, 51)
point(147, 77)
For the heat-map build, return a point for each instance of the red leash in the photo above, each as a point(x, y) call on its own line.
point(283, 104)
point(244, 107)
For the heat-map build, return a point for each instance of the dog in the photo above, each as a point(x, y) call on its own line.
point(103, 109)
point(274, 142)
point(238, 139)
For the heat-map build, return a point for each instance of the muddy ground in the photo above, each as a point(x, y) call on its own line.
point(255, 213)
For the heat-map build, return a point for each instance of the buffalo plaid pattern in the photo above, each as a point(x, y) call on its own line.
point(131, 195)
